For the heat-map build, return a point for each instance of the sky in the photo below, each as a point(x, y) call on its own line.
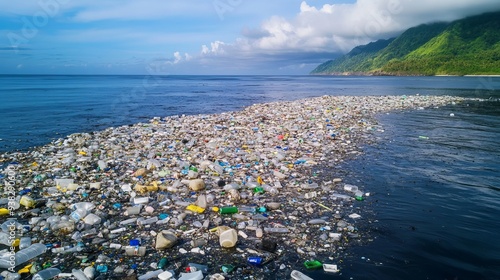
point(203, 37)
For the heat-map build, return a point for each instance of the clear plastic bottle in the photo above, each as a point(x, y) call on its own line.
point(78, 274)
point(78, 214)
point(201, 267)
point(276, 230)
point(269, 189)
point(24, 255)
point(4, 239)
point(92, 219)
point(243, 208)
point(24, 242)
point(142, 222)
point(87, 206)
point(45, 274)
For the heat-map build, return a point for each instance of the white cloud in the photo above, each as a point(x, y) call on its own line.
point(216, 47)
point(177, 57)
point(339, 27)
point(335, 28)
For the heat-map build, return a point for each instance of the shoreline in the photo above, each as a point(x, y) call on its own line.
point(273, 146)
point(369, 74)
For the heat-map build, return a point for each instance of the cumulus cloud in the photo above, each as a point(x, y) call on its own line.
point(216, 47)
point(178, 57)
point(317, 33)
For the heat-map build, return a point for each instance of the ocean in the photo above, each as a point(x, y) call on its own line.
point(433, 174)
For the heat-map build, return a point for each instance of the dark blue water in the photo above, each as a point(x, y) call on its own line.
point(436, 200)
point(37, 109)
point(433, 213)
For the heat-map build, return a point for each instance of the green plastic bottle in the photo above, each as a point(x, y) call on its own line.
point(313, 264)
point(228, 210)
point(258, 190)
point(162, 263)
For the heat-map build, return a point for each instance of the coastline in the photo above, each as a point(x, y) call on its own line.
point(275, 144)
point(384, 74)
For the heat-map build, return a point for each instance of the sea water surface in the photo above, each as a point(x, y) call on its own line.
point(435, 200)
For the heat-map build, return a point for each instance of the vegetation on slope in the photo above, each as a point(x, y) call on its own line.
point(467, 46)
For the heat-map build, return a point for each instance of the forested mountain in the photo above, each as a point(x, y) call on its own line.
point(463, 47)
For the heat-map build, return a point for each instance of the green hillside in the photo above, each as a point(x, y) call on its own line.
point(355, 60)
point(467, 46)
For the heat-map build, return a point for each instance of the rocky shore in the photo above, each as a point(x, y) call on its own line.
point(238, 195)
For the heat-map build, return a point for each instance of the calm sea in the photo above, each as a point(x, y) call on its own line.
point(435, 201)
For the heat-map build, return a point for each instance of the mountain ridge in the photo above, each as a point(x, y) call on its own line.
point(469, 46)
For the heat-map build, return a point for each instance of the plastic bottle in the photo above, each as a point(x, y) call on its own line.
point(142, 222)
point(11, 225)
point(133, 210)
point(228, 210)
point(141, 200)
point(255, 260)
point(162, 263)
point(269, 189)
point(247, 209)
point(313, 264)
point(135, 251)
point(24, 242)
point(72, 249)
point(5, 239)
point(78, 274)
point(252, 185)
point(201, 267)
point(128, 221)
point(89, 271)
point(92, 219)
point(276, 230)
point(48, 273)
point(87, 206)
point(11, 276)
point(150, 274)
point(24, 255)
point(78, 214)
point(89, 232)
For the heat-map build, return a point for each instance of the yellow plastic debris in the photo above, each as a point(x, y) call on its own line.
point(27, 201)
point(25, 269)
point(144, 189)
point(195, 208)
point(4, 211)
point(259, 180)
